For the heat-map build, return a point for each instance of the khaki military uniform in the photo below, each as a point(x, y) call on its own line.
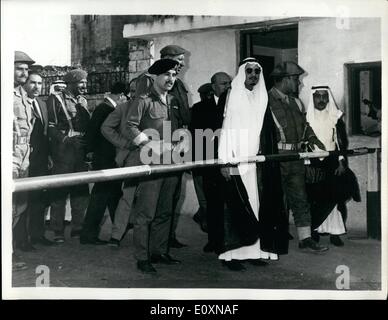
point(68, 121)
point(153, 209)
point(22, 127)
point(292, 130)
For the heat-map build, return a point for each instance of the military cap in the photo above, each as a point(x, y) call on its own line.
point(205, 88)
point(20, 56)
point(161, 66)
point(287, 68)
point(172, 50)
point(75, 75)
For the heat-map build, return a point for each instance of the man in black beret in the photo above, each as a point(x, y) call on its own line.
point(144, 83)
point(152, 212)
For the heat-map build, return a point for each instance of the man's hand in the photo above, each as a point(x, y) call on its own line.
point(225, 171)
point(82, 101)
point(158, 147)
point(340, 170)
point(315, 141)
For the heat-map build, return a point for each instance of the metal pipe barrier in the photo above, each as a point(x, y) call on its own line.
point(70, 179)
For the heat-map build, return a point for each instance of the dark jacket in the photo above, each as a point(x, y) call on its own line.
point(103, 151)
point(290, 118)
point(39, 142)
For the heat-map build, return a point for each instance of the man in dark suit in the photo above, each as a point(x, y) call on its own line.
point(104, 194)
point(209, 115)
point(39, 160)
point(200, 119)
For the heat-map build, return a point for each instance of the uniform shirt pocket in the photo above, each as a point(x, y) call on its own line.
point(157, 112)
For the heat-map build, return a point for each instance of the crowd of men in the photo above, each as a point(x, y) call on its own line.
point(243, 207)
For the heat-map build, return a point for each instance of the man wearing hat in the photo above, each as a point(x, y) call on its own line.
point(152, 211)
point(292, 132)
point(22, 127)
point(144, 83)
point(68, 117)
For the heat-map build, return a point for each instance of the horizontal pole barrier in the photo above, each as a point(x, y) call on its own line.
point(70, 179)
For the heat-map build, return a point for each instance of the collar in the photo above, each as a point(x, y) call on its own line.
point(68, 95)
point(111, 101)
point(281, 96)
point(156, 95)
point(30, 100)
point(19, 91)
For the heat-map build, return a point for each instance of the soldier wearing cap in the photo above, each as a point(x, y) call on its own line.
point(152, 211)
point(144, 83)
point(68, 117)
point(22, 127)
point(292, 132)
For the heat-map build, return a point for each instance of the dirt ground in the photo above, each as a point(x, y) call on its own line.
point(88, 266)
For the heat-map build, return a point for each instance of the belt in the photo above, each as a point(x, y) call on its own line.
point(72, 133)
point(289, 146)
point(22, 140)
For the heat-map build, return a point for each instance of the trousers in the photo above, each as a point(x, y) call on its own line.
point(152, 214)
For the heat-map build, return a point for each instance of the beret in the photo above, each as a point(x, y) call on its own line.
point(75, 75)
point(287, 68)
point(161, 66)
point(205, 88)
point(20, 56)
point(172, 50)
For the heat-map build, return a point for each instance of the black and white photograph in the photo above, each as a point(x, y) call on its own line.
point(194, 150)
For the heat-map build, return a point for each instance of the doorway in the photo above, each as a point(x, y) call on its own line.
point(270, 45)
point(364, 83)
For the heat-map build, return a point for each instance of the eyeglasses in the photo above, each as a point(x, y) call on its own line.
point(249, 70)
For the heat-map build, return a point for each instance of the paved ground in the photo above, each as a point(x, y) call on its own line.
point(75, 265)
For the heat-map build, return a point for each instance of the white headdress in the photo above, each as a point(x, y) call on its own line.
point(324, 121)
point(244, 115)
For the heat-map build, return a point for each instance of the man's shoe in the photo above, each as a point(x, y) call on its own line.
point(209, 247)
point(309, 244)
point(200, 220)
point(164, 259)
point(114, 243)
point(59, 237)
point(43, 241)
point(336, 240)
point(258, 262)
point(233, 265)
point(145, 266)
point(174, 243)
point(315, 236)
point(96, 241)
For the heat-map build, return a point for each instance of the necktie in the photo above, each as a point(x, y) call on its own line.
point(36, 109)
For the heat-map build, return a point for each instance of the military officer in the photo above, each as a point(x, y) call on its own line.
point(22, 127)
point(68, 117)
point(152, 211)
point(292, 132)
